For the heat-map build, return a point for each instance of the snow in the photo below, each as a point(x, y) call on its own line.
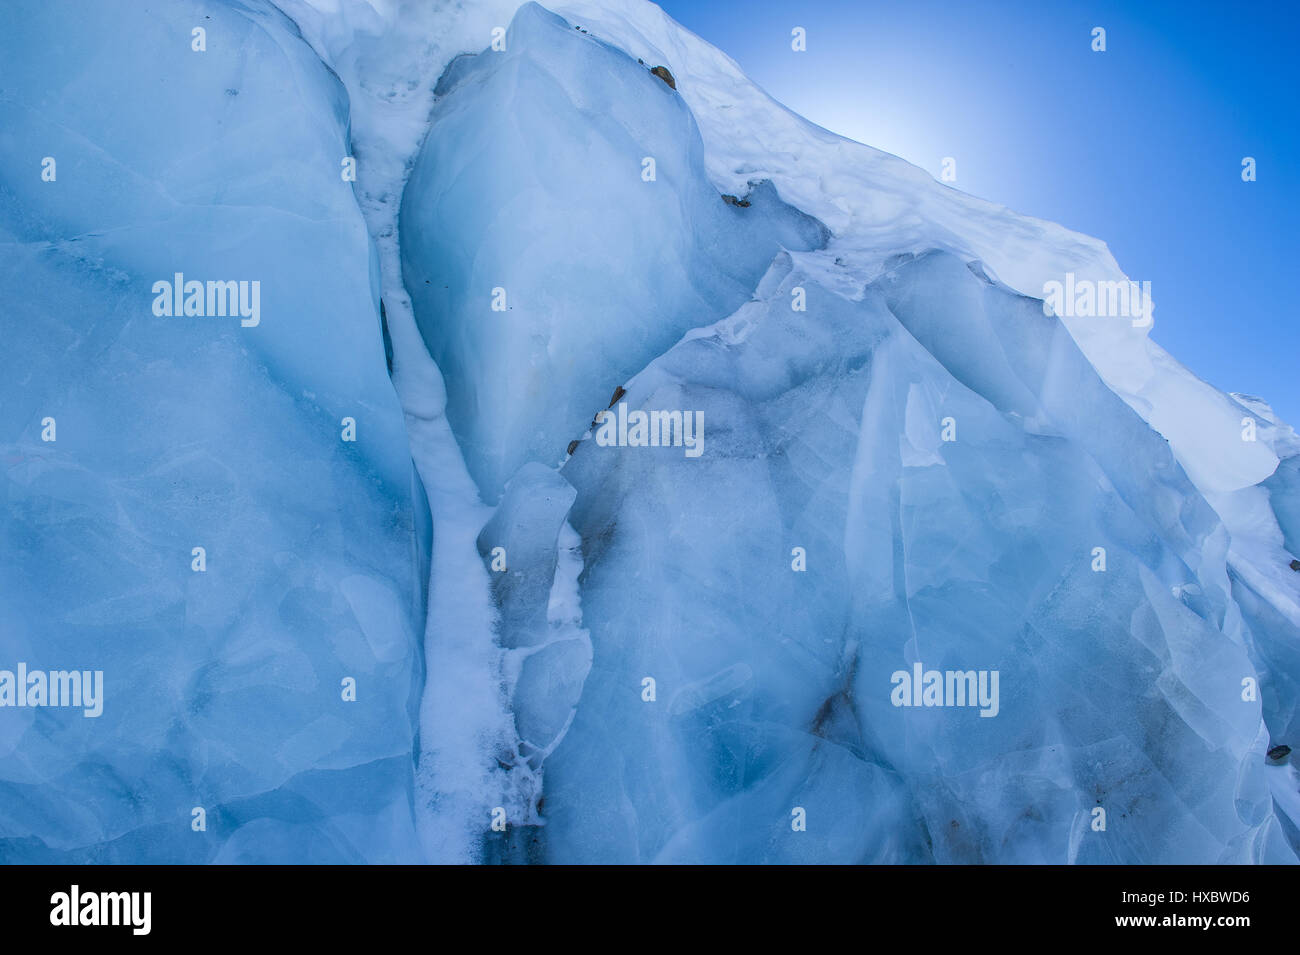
point(877, 206)
point(389, 58)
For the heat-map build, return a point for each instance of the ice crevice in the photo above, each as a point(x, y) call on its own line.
point(468, 766)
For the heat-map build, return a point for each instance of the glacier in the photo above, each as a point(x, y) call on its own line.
point(463, 627)
point(225, 735)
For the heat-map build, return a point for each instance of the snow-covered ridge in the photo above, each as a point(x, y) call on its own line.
point(875, 204)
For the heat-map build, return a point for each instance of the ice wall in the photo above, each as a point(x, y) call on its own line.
point(917, 450)
point(559, 230)
point(217, 155)
point(642, 655)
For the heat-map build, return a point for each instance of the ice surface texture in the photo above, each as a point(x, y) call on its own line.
point(535, 185)
point(622, 652)
point(1121, 689)
point(970, 554)
point(223, 687)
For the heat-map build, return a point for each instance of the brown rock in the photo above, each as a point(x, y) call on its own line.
point(663, 74)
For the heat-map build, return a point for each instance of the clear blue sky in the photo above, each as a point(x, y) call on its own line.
point(1140, 146)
